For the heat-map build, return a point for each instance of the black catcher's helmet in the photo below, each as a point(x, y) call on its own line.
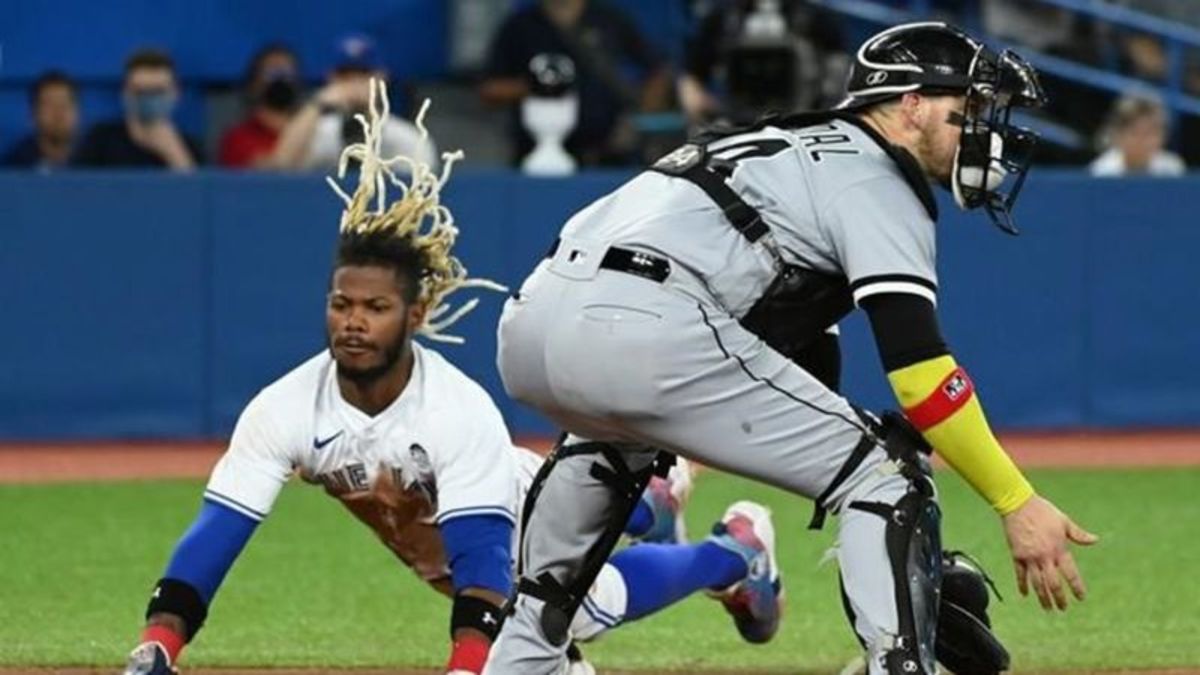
point(935, 58)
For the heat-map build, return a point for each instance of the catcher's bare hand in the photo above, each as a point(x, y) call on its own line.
point(1037, 536)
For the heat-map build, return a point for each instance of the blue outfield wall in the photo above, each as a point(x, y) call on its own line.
point(146, 305)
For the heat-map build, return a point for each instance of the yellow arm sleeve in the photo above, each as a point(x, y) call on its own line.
point(963, 438)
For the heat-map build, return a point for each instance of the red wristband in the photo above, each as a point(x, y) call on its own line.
point(948, 398)
point(470, 652)
point(170, 640)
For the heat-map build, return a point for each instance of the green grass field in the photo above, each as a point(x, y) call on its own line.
point(314, 589)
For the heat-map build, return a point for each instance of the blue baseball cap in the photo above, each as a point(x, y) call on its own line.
point(357, 52)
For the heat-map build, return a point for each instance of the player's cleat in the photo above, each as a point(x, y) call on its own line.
point(667, 498)
point(149, 658)
point(755, 602)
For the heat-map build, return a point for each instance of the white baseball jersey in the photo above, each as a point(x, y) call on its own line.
point(439, 451)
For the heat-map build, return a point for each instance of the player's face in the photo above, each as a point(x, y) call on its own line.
point(940, 137)
point(367, 321)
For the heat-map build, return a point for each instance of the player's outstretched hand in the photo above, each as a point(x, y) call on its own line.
point(149, 658)
point(1038, 534)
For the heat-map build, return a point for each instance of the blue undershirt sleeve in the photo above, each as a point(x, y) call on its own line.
point(479, 551)
point(207, 550)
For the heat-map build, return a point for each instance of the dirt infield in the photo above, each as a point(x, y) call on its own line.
point(364, 671)
point(411, 671)
point(402, 671)
point(61, 462)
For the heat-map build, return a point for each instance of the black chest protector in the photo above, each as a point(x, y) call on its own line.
point(798, 306)
point(801, 303)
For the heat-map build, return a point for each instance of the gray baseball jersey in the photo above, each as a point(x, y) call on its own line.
point(636, 331)
point(833, 200)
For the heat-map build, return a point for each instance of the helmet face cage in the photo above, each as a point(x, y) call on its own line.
point(999, 83)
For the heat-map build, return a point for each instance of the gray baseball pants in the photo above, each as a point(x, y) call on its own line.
point(612, 357)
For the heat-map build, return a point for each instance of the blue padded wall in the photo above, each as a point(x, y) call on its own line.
point(154, 305)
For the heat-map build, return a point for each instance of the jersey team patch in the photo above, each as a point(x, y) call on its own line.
point(948, 398)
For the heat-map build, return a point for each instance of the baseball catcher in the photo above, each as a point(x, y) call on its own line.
point(661, 315)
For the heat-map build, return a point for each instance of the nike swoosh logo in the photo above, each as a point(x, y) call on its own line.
point(318, 443)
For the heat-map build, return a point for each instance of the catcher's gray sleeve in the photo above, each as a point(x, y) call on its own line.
point(883, 238)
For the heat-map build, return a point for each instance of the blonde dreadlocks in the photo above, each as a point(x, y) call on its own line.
point(417, 218)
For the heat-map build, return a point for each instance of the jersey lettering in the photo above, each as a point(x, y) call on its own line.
point(725, 161)
point(824, 139)
point(818, 138)
point(764, 147)
point(358, 476)
point(335, 481)
point(350, 478)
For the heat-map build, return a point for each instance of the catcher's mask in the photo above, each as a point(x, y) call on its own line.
point(935, 58)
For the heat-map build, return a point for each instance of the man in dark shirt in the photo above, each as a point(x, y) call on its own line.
point(55, 108)
point(145, 136)
point(605, 49)
point(748, 57)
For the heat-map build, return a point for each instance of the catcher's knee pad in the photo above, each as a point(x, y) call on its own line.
point(965, 642)
point(562, 598)
point(905, 445)
point(913, 541)
point(898, 438)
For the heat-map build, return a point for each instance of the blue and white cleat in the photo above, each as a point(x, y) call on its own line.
point(149, 658)
point(667, 497)
point(755, 602)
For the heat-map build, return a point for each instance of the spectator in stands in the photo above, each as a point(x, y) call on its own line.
point(1182, 11)
point(1044, 27)
point(1077, 107)
point(1144, 56)
point(54, 104)
point(145, 136)
point(764, 55)
point(600, 47)
point(314, 137)
point(272, 91)
point(1137, 134)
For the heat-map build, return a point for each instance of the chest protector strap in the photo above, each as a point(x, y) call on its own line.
point(690, 162)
